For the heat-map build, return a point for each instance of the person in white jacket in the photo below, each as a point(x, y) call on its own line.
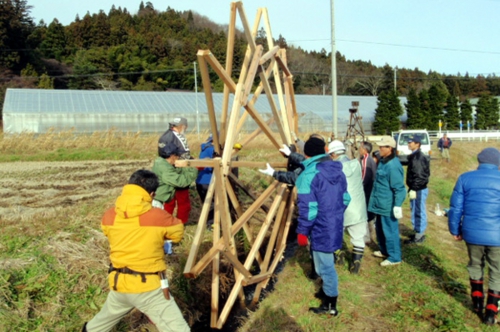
point(355, 216)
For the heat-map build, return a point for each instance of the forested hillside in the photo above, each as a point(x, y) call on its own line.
point(147, 48)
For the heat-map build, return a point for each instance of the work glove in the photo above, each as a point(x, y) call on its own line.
point(412, 194)
point(398, 212)
point(268, 171)
point(285, 150)
point(302, 240)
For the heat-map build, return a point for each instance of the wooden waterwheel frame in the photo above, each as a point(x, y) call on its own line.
point(279, 213)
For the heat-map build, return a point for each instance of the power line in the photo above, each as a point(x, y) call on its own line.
point(400, 45)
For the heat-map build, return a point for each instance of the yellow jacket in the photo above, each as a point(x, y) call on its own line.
point(136, 232)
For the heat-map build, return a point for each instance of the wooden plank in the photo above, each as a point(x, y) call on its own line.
point(230, 302)
point(237, 264)
point(214, 304)
point(239, 211)
point(271, 242)
point(231, 35)
point(238, 224)
point(221, 72)
point(207, 87)
point(223, 207)
point(262, 124)
point(277, 81)
point(269, 54)
point(240, 184)
point(257, 278)
point(252, 71)
point(272, 104)
point(198, 236)
point(246, 27)
point(255, 133)
point(282, 244)
point(232, 163)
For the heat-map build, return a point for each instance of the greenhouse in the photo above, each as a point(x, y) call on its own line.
point(37, 110)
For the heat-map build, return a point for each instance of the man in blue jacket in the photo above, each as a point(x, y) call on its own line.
point(322, 200)
point(474, 216)
point(204, 177)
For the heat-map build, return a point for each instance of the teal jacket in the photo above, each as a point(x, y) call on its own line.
point(389, 187)
point(171, 178)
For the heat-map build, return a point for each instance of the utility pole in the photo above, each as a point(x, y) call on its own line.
point(196, 98)
point(334, 73)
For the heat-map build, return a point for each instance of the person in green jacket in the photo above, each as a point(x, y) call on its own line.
point(171, 177)
point(386, 199)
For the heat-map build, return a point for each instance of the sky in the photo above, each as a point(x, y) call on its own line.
point(447, 36)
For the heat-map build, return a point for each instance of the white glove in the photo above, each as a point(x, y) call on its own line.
point(398, 212)
point(268, 171)
point(286, 150)
point(412, 194)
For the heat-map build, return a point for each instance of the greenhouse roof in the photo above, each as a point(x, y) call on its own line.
point(126, 102)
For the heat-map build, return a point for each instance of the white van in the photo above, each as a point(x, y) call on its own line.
point(403, 136)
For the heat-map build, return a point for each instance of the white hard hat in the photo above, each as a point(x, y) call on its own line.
point(335, 146)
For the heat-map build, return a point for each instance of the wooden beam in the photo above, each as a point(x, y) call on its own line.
point(271, 242)
point(269, 54)
point(257, 278)
point(236, 264)
point(232, 163)
point(223, 206)
point(240, 184)
point(221, 72)
point(205, 78)
point(231, 35)
point(214, 304)
point(200, 229)
point(238, 224)
point(262, 124)
point(270, 98)
point(252, 71)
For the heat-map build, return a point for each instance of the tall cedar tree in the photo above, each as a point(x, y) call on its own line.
point(466, 113)
point(425, 109)
point(482, 109)
point(436, 105)
point(387, 114)
point(452, 116)
point(492, 116)
point(416, 118)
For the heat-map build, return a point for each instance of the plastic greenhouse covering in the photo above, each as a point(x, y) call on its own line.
point(38, 110)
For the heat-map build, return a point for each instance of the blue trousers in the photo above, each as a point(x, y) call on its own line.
point(325, 268)
point(387, 228)
point(419, 211)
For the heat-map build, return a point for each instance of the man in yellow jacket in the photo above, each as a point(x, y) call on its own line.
point(136, 232)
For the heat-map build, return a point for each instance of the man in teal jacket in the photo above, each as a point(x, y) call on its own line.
point(387, 197)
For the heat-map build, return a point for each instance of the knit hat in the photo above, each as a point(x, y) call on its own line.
point(489, 156)
point(314, 147)
point(179, 121)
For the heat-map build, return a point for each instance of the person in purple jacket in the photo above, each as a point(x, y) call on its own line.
point(474, 217)
point(322, 200)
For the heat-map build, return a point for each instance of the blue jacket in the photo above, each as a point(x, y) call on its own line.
point(322, 200)
point(207, 151)
point(475, 206)
point(389, 187)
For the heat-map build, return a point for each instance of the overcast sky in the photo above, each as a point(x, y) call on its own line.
point(447, 36)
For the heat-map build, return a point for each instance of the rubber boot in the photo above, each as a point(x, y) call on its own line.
point(312, 275)
point(477, 296)
point(339, 257)
point(356, 262)
point(490, 315)
point(328, 306)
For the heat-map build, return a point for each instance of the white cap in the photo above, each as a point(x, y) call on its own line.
point(335, 146)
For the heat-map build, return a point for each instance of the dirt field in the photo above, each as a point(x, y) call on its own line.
point(28, 188)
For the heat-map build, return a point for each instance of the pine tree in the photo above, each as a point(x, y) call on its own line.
point(452, 116)
point(466, 113)
point(436, 104)
point(387, 114)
